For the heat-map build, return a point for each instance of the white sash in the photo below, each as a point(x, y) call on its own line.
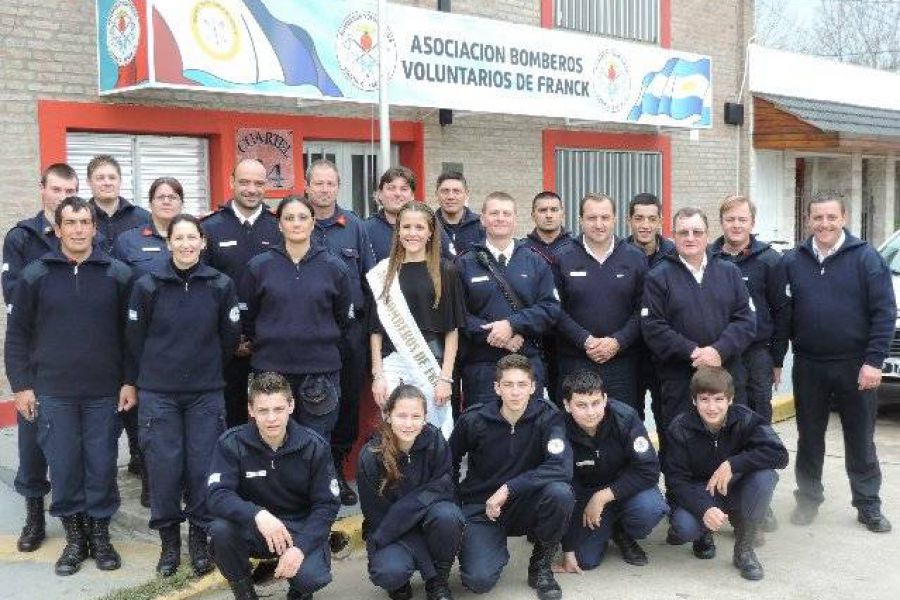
point(399, 324)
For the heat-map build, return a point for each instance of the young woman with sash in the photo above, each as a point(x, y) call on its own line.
point(408, 498)
point(420, 309)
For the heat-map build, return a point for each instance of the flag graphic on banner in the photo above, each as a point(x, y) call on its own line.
point(240, 42)
point(679, 90)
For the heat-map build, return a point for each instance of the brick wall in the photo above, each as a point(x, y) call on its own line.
point(47, 51)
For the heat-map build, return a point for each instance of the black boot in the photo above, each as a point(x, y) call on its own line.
point(170, 552)
point(744, 556)
point(404, 592)
point(243, 589)
point(704, 547)
point(33, 533)
point(770, 522)
point(295, 595)
point(347, 495)
point(145, 488)
point(198, 548)
point(438, 587)
point(540, 575)
point(102, 550)
point(632, 553)
point(76, 549)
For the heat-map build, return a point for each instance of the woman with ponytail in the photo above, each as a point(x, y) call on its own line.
point(405, 480)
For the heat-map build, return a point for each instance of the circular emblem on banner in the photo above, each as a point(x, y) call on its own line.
point(611, 81)
point(123, 32)
point(641, 444)
point(357, 50)
point(215, 30)
point(556, 446)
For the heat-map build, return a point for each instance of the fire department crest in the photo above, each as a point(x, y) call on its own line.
point(123, 31)
point(357, 50)
point(611, 81)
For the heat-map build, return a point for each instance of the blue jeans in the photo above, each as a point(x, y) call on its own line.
point(749, 497)
point(178, 433)
point(79, 437)
point(637, 516)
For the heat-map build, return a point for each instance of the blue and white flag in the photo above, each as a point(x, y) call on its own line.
point(680, 90)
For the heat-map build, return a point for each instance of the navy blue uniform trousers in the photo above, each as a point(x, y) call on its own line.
point(437, 539)
point(178, 433)
point(758, 367)
point(31, 476)
point(232, 545)
point(749, 496)
point(542, 515)
point(355, 357)
point(79, 437)
point(816, 384)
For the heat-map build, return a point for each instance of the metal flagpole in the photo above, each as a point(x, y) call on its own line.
point(384, 161)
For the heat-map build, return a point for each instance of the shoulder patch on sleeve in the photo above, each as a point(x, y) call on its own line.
point(234, 315)
point(556, 446)
point(641, 444)
point(335, 488)
point(645, 312)
point(214, 478)
point(132, 314)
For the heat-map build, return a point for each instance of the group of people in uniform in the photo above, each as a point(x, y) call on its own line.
point(511, 375)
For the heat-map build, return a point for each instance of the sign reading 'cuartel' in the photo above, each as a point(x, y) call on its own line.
point(272, 147)
point(330, 49)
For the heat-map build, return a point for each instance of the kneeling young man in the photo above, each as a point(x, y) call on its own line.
point(720, 465)
point(517, 480)
point(272, 492)
point(616, 476)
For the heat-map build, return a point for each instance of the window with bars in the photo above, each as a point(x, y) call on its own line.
point(627, 19)
point(618, 174)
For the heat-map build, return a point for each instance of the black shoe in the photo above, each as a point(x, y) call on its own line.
point(438, 587)
point(145, 488)
point(198, 550)
point(804, 514)
point(136, 462)
point(347, 495)
point(672, 539)
point(295, 595)
point(76, 549)
point(704, 547)
point(404, 592)
point(873, 519)
point(744, 556)
point(632, 553)
point(540, 575)
point(170, 551)
point(34, 531)
point(264, 573)
point(101, 548)
point(243, 589)
point(770, 523)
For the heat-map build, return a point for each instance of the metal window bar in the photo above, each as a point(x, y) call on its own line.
point(627, 19)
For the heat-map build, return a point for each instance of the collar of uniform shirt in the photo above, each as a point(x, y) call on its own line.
point(496, 252)
point(821, 255)
point(697, 273)
point(602, 258)
point(244, 220)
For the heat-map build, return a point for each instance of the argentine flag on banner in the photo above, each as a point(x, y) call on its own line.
point(678, 91)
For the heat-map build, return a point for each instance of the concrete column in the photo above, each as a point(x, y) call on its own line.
point(788, 202)
point(854, 220)
point(890, 192)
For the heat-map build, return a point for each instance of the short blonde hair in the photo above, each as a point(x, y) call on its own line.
point(734, 201)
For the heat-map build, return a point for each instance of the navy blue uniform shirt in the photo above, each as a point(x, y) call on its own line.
point(762, 271)
point(693, 453)
point(126, 216)
point(65, 331)
point(26, 242)
point(618, 456)
point(345, 235)
point(183, 332)
point(296, 313)
point(465, 234)
point(841, 308)
point(599, 300)
point(381, 235)
point(296, 482)
point(530, 276)
point(679, 315)
point(143, 249)
point(526, 456)
point(549, 251)
point(230, 245)
point(426, 478)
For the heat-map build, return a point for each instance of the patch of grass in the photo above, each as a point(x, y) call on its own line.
point(155, 587)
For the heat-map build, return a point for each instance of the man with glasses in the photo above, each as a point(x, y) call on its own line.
point(696, 312)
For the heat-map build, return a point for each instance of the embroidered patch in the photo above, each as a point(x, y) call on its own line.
point(5, 267)
point(620, 275)
point(335, 488)
point(9, 309)
point(787, 290)
point(351, 313)
point(577, 273)
point(480, 278)
point(645, 312)
point(252, 474)
point(227, 243)
point(556, 446)
point(556, 294)
point(214, 478)
point(242, 305)
point(752, 306)
point(132, 315)
point(151, 249)
point(641, 444)
point(585, 463)
point(234, 315)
